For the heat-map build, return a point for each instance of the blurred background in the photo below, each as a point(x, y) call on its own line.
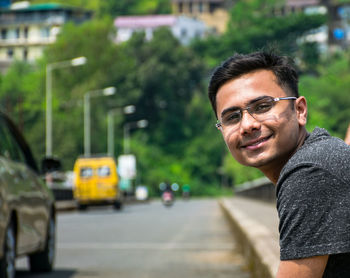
point(70, 69)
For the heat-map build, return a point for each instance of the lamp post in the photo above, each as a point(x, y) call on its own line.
point(110, 121)
point(139, 124)
point(87, 125)
point(49, 68)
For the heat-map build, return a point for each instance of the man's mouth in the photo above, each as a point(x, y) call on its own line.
point(253, 144)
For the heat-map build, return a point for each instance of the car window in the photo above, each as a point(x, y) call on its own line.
point(9, 147)
point(86, 172)
point(103, 171)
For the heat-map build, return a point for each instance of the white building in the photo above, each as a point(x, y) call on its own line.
point(25, 30)
point(183, 28)
point(336, 34)
point(215, 13)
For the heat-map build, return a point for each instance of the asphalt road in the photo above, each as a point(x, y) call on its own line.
point(189, 239)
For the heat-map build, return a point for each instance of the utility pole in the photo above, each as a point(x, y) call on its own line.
point(49, 68)
point(87, 122)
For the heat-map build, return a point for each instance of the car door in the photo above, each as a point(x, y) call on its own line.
point(27, 199)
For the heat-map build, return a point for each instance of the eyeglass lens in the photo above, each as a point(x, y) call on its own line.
point(257, 110)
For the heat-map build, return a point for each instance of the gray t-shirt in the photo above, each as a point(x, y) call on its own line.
point(313, 203)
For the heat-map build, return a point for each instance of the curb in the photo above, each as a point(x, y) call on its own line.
point(254, 241)
point(69, 205)
point(66, 205)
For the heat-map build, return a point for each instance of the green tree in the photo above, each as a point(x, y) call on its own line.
point(253, 26)
point(203, 155)
point(134, 7)
point(21, 98)
point(238, 172)
point(106, 66)
point(174, 146)
point(161, 77)
point(328, 95)
point(11, 91)
point(167, 74)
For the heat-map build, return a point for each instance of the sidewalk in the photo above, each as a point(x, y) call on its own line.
point(255, 226)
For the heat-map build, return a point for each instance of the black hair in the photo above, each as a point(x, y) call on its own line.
point(240, 64)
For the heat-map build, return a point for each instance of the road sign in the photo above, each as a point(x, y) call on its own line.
point(127, 166)
point(125, 185)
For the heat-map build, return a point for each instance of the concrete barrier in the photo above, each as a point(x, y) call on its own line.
point(262, 189)
point(255, 241)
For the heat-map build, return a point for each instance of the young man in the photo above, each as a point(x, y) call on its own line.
point(262, 119)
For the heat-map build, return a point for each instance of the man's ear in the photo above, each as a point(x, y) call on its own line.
point(301, 109)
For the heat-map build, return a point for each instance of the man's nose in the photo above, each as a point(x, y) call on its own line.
point(248, 123)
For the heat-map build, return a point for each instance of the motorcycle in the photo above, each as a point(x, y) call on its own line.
point(167, 198)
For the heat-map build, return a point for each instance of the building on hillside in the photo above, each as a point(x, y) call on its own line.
point(336, 33)
point(183, 28)
point(215, 13)
point(333, 35)
point(25, 30)
point(300, 5)
point(318, 35)
point(5, 3)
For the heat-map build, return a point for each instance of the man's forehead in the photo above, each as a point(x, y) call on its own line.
point(259, 80)
point(245, 89)
point(251, 77)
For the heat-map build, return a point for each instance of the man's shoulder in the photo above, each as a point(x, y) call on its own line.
point(321, 156)
point(321, 149)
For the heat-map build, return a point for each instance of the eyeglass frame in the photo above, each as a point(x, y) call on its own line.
point(219, 126)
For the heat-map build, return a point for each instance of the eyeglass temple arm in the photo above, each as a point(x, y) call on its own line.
point(282, 98)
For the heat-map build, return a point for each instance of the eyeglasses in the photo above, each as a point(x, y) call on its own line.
point(259, 109)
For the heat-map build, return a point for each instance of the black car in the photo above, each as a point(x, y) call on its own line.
point(27, 207)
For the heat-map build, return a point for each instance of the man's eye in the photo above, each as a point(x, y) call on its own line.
point(232, 118)
point(262, 107)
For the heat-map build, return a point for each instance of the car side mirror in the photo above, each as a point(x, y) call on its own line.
point(49, 164)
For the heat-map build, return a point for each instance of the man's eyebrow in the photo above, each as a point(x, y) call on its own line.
point(234, 108)
point(257, 99)
point(229, 109)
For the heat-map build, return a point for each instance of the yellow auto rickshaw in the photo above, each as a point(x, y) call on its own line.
point(96, 182)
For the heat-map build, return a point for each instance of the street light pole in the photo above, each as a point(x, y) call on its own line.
point(49, 68)
point(126, 138)
point(110, 129)
point(139, 124)
point(87, 122)
point(48, 111)
point(110, 133)
point(87, 144)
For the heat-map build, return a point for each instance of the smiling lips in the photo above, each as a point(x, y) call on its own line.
point(254, 144)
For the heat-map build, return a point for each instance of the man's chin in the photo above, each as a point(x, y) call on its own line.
point(256, 163)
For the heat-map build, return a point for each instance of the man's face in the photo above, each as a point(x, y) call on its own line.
point(265, 143)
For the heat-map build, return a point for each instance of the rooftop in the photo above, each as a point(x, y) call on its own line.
point(27, 7)
point(198, 1)
point(302, 3)
point(144, 21)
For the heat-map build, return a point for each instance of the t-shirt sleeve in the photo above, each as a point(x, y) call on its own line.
point(314, 212)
